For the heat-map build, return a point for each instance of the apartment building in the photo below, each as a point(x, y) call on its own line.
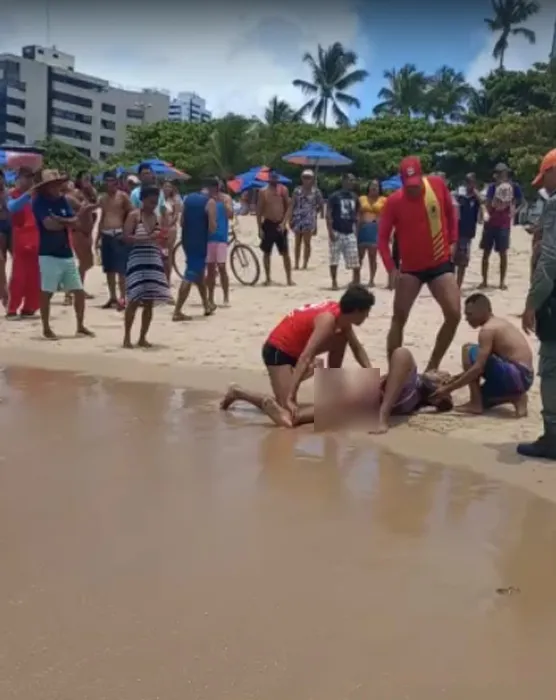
point(42, 95)
point(188, 107)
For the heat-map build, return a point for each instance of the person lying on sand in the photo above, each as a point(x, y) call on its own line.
point(291, 348)
point(502, 359)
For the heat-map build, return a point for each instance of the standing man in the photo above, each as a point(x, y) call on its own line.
point(540, 314)
point(199, 221)
point(423, 215)
point(502, 200)
point(470, 214)
point(146, 179)
point(341, 221)
point(217, 249)
point(54, 217)
point(272, 208)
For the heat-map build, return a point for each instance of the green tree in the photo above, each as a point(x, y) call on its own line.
point(280, 112)
point(509, 15)
point(405, 93)
point(332, 73)
point(447, 94)
point(59, 156)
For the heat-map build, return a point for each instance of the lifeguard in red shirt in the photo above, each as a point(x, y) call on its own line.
point(423, 216)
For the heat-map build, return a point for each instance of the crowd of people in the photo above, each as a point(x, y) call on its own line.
point(422, 233)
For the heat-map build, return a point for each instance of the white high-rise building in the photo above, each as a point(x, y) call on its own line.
point(188, 107)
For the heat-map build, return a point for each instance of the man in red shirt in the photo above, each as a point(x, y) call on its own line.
point(290, 350)
point(423, 216)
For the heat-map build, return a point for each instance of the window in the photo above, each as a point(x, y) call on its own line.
point(76, 82)
point(72, 116)
point(15, 102)
point(109, 109)
point(84, 151)
point(41, 51)
point(108, 124)
point(107, 141)
point(71, 133)
point(134, 113)
point(7, 138)
point(12, 119)
point(72, 99)
point(105, 156)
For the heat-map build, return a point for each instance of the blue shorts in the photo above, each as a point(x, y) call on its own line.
point(368, 233)
point(59, 274)
point(114, 253)
point(495, 238)
point(194, 266)
point(501, 378)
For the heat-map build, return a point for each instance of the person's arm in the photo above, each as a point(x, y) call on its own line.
point(323, 329)
point(288, 218)
point(259, 209)
point(130, 224)
point(3, 276)
point(161, 203)
point(486, 342)
point(329, 209)
point(544, 276)
point(229, 205)
point(320, 203)
point(385, 228)
point(183, 221)
point(211, 213)
point(451, 216)
point(17, 204)
point(357, 349)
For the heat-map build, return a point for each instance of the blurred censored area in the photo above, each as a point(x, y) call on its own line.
point(346, 397)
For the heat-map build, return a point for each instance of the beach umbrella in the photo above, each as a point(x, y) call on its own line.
point(316, 154)
point(162, 169)
point(13, 160)
point(392, 184)
point(254, 179)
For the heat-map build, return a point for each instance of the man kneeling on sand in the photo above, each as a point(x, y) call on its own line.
point(291, 348)
point(502, 358)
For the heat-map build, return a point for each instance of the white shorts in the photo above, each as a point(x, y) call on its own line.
point(344, 246)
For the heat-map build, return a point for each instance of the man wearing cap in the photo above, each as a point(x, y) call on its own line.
point(423, 216)
point(503, 196)
point(540, 314)
point(54, 217)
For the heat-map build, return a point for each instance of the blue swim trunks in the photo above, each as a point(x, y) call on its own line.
point(502, 378)
point(195, 263)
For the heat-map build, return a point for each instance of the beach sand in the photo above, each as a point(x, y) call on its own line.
point(226, 347)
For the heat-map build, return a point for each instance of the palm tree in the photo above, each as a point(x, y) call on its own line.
point(405, 94)
point(332, 75)
point(447, 94)
point(508, 16)
point(228, 147)
point(280, 112)
point(480, 104)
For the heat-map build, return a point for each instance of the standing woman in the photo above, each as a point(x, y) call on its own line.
point(83, 199)
point(305, 205)
point(174, 208)
point(371, 206)
point(146, 281)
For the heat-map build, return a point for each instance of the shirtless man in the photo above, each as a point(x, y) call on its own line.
point(115, 205)
point(291, 348)
point(502, 358)
point(272, 208)
point(83, 200)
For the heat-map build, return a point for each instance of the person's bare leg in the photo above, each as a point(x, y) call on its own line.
point(503, 269)
point(334, 276)
point(183, 294)
point(307, 244)
point(224, 282)
point(146, 320)
point(298, 240)
point(484, 269)
point(337, 351)
point(79, 308)
point(400, 368)
point(111, 284)
point(122, 290)
point(265, 403)
point(129, 318)
point(211, 281)
point(406, 292)
point(446, 293)
point(287, 267)
point(356, 275)
point(475, 403)
point(372, 253)
point(45, 316)
point(460, 270)
point(266, 267)
point(208, 305)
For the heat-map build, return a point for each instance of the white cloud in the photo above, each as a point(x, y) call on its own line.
point(236, 55)
point(520, 54)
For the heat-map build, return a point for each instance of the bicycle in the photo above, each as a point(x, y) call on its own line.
point(244, 262)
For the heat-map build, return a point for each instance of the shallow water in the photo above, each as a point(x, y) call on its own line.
point(155, 549)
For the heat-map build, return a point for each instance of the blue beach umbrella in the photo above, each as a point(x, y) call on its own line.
point(393, 183)
point(316, 154)
point(163, 169)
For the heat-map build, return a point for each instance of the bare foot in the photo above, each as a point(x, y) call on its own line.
point(335, 286)
point(181, 317)
point(82, 331)
point(521, 406)
point(471, 408)
point(503, 287)
point(49, 334)
point(380, 428)
point(267, 283)
point(276, 413)
point(483, 285)
point(371, 285)
point(226, 304)
point(291, 283)
point(143, 343)
point(210, 309)
point(230, 397)
point(127, 344)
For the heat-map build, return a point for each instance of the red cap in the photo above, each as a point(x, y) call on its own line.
point(411, 171)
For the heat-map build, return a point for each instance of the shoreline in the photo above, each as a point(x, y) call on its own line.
point(496, 462)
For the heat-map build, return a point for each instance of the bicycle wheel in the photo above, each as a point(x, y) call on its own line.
point(178, 260)
point(245, 264)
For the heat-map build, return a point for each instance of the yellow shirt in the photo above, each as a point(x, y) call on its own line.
point(375, 207)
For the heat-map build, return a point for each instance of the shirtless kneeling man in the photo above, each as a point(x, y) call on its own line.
point(291, 348)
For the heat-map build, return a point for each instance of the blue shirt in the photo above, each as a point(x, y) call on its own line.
point(55, 244)
point(135, 198)
point(195, 231)
point(469, 208)
point(222, 224)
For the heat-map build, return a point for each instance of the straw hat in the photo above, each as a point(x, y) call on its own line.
point(50, 177)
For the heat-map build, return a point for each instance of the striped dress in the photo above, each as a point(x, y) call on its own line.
point(145, 277)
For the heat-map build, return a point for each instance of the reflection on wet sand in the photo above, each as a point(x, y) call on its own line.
point(152, 547)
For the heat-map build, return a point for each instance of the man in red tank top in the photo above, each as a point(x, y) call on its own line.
point(290, 350)
point(422, 214)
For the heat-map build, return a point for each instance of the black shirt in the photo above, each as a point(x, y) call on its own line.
point(343, 206)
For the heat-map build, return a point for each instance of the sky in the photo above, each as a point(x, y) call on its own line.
point(238, 55)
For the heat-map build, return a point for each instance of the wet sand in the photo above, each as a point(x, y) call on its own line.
point(153, 548)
